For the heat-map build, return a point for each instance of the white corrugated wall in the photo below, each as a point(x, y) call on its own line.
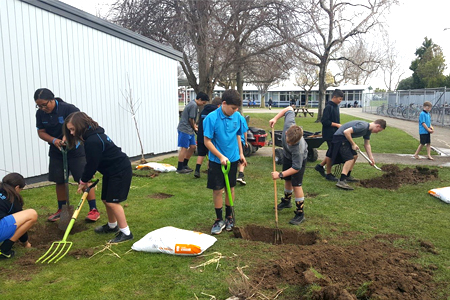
point(85, 67)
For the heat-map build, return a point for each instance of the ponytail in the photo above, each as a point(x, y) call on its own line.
point(9, 182)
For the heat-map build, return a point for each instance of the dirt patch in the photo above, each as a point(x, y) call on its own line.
point(267, 235)
point(370, 269)
point(145, 172)
point(393, 177)
point(41, 237)
point(159, 196)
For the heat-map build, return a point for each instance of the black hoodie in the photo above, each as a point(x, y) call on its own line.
point(102, 155)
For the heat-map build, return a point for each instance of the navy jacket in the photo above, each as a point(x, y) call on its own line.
point(330, 115)
point(102, 155)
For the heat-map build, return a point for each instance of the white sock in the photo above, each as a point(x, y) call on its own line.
point(126, 230)
point(112, 225)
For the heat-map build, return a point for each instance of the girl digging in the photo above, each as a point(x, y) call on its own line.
point(104, 156)
point(50, 115)
point(14, 222)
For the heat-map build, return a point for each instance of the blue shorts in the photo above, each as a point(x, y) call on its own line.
point(185, 140)
point(7, 227)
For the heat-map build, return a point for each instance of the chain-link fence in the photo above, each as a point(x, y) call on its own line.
point(409, 104)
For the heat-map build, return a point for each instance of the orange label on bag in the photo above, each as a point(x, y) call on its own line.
point(187, 249)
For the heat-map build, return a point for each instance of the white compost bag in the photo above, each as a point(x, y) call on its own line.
point(158, 167)
point(441, 193)
point(171, 240)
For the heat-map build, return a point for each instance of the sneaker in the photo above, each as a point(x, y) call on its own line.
point(184, 171)
point(197, 174)
point(351, 179)
point(320, 169)
point(121, 237)
point(7, 256)
point(218, 226)
point(299, 217)
point(55, 216)
point(241, 180)
point(229, 224)
point(284, 204)
point(93, 215)
point(106, 229)
point(187, 168)
point(330, 177)
point(343, 185)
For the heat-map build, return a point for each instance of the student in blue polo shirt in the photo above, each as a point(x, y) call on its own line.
point(222, 130)
point(50, 118)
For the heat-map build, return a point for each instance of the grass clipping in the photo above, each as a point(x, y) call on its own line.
point(241, 287)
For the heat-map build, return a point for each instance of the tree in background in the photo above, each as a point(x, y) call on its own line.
point(306, 77)
point(390, 66)
point(358, 62)
point(428, 68)
point(321, 27)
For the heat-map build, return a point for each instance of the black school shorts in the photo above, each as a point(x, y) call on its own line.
point(56, 168)
point(216, 179)
point(201, 149)
point(115, 188)
point(297, 178)
point(425, 139)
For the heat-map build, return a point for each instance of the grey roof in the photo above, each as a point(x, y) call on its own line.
point(79, 16)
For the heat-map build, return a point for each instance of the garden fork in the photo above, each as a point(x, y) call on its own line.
point(61, 248)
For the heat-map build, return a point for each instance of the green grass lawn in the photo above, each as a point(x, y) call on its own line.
point(409, 211)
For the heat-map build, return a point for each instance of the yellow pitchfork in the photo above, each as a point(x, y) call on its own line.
point(64, 246)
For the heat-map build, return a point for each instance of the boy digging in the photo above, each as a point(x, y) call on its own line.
point(295, 153)
point(222, 132)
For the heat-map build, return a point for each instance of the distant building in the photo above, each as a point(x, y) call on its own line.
point(282, 95)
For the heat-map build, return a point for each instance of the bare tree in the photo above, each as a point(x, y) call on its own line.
point(359, 62)
point(390, 66)
point(132, 107)
point(322, 26)
point(306, 77)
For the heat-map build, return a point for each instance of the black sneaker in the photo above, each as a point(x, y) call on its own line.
point(184, 171)
point(106, 229)
point(320, 169)
point(197, 174)
point(121, 237)
point(284, 204)
point(351, 179)
point(7, 255)
point(241, 180)
point(187, 168)
point(330, 177)
point(344, 185)
point(299, 218)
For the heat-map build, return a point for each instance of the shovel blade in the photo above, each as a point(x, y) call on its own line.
point(65, 217)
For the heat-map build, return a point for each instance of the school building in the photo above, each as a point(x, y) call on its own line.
point(284, 95)
point(90, 63)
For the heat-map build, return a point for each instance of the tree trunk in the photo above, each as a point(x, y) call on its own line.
point(322, 89)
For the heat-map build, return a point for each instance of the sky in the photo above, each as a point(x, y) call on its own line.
point(407, 24)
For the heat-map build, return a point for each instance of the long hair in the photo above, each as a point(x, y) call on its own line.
point(82, 123)
point(9, 182)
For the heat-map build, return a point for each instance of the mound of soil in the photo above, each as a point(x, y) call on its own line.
point(370, 269)
point(393, 177)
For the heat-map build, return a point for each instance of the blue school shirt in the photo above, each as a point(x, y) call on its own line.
point(243, 129)
point(424, 118)
point(222, 130)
